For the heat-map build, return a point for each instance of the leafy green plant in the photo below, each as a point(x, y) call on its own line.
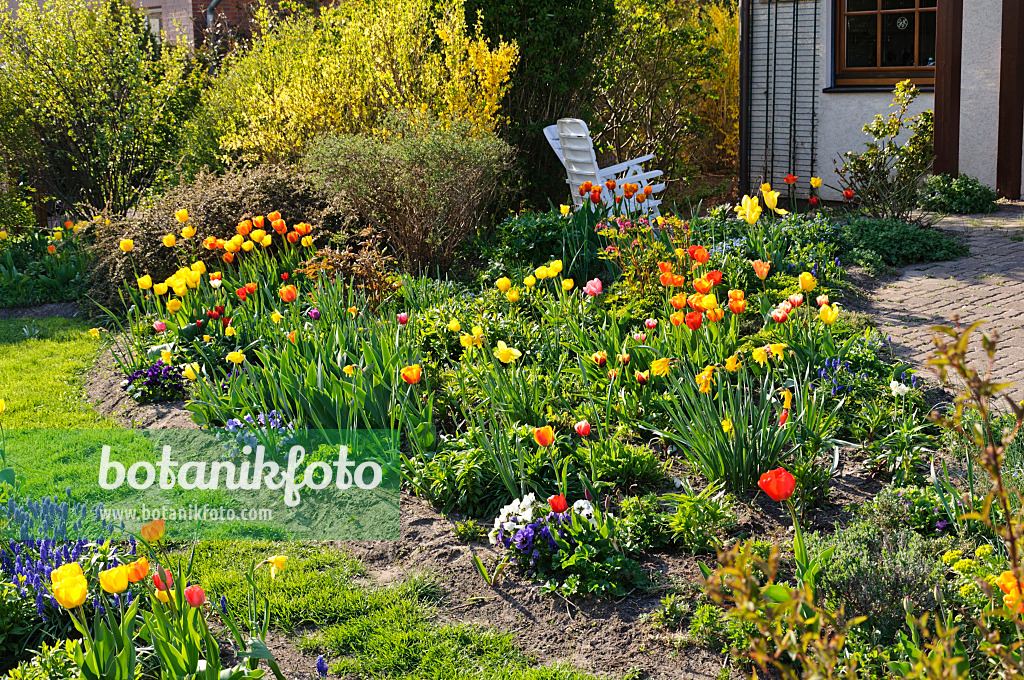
point(898, 243)
point(958, 195)
point(886, 178)
point(700, 518)
point(95, 105)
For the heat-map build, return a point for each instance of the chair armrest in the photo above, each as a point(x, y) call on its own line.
point(622, 167)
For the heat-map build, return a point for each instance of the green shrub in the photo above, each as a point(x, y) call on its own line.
point(30, 275)
point(873, 569)
point(425, 185)
point(16, 208)
point(887, 177)
point(958, 195)
point(51, 663)
point(215, 204)
point(898, 244)
point(531, 239)
point(94, 106)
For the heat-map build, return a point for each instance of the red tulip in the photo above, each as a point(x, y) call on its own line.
point(693, 320)
point(848, 194)
point(813, 202)
point(403, 318)
point(544, 436)
point(780, 315)
point(651, 324)
point(714, 276)
point(778, 484)
point(558, 504)
point(790, 179)
point(284, 276)
point(583, 428)
point(783, 417)
point(195, 596)
point(158, 582)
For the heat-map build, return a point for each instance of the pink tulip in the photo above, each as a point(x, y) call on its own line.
point(640, 337)
point(159, 326)
point(583, 428)
point(651, 324)
point(403, 318)
point(593, 288)
point(195, 596)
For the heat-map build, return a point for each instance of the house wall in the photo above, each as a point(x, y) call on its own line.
point(979, 88)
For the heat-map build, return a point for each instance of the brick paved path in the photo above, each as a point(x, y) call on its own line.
point(988, 285)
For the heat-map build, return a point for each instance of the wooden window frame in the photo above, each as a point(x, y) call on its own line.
point(883, 76)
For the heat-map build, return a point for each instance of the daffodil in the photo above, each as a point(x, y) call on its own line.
point(705, 378)
point(230, 332)
point(166, 357)
point(732, 364)
point(564, 209)
point(276, 316)
point(787, 399)
point(506, 354)
point(760, 355)
point(727, 425)
point(349, 370)
point(660, 367)
point(95, 333)
point(778, 349)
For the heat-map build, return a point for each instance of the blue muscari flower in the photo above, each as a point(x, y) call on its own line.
point(321, 666)
point(814, 270)
point(224, 608)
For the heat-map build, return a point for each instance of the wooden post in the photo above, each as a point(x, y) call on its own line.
point(743, 157)
point(948, 54)
point(1011, 102)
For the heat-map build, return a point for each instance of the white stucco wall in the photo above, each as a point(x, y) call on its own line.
point(842, 115)
point(979, 89)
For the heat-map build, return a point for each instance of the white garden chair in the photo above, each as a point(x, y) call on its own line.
point(571, 141)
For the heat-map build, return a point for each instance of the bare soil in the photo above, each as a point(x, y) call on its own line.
point(103, 390)
point(64, 310)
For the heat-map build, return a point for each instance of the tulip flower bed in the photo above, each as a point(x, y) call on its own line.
point(637, 391)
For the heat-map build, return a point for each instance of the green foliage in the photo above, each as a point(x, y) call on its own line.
point(470, 531)
point(921, 509)
point(425, 185)
point(30, 274)
point(643, 523)
point(958, 195)
point(20, 625)
point(623, 466)
point(709, 626)
point(654, 83)
point(872, 569)
point(886, 178)
point(54, 662)
point(528, 240)
point(15, 207)
point(94, 105)
point(700, 518)
point(897, 243)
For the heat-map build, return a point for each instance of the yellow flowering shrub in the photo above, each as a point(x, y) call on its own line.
point(345, 69)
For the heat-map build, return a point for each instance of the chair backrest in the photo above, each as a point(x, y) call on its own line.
point(577, 153)
point(551, 134)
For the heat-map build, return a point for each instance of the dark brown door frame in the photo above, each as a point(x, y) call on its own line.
point(1011, 102)
point(745, 8)
point(948, 57)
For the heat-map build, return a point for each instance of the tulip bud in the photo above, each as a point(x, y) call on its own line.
point(583, 428)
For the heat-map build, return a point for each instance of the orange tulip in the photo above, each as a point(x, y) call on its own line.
point(716, 314)
point(228, 257)
point(544, 436)
point(412, 374)
point(737, 306)
point(274, 216)
point(288, 293)
point(702, 285)
point(138, 570)
point(761, 268)
point(51, 249)
point(244, 227)
point(153, 531)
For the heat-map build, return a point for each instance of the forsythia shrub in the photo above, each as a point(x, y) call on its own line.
point(344, 69)
point(94, 105)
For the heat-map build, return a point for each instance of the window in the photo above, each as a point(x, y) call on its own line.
point(881, 42)
point(156, 20)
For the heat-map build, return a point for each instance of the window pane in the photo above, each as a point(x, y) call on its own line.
point(898, 39)
point(927, 3)
point(897, 4)
point(861, 5)
point(926, 39)
point(861, 41)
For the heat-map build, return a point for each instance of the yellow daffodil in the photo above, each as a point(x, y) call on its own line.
point(349, 370)
point(506, 354)
point(3, 405)
point(236, 357)
point(276, 316)
point(727, 425)
point(828, 314)
point(778, 349)
point(477, 332)
point(760, 355)
point(704, 379)
point(230, 332)
point(732, 364)
point(787, 399)
point(353, 311)
point(166, 357)
point(660, 367)
point(95, 333)
point(277, 563)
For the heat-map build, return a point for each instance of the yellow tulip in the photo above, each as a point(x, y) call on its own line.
point(126, 245)
point(145, 282)
point(174, 306)
point(236, 357)
point(567, 284)
point(555, 268)
point(816, 182)
point(199, 267)
point(165, 356)
point(160, 288)
point(765, 188)
point(807, 282)
point(530, 281)
point(503, 284)
point(248, 246)
point(771, 201)
point(3, 406)
point(541, 272)
point(181, 215)
point(180, 289)
point(267, 240)
point(749, 210)
point(169, 240)
point(114, 580)
point(828, 314)
point(71, 592)
point(188, 232)
point(564, 209)
point(191, 371)
point(307, 241)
